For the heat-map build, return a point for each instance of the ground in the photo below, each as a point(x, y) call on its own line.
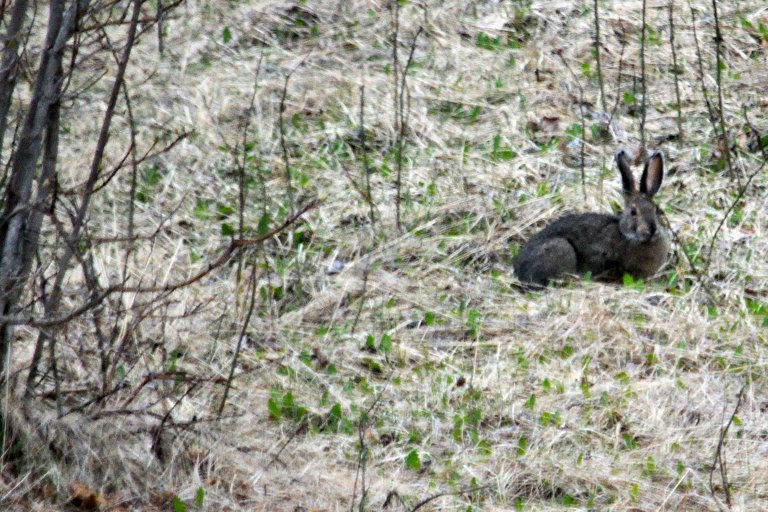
point(390, 347)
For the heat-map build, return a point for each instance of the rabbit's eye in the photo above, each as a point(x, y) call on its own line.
point(633, 211)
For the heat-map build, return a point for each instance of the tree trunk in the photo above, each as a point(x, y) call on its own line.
point(18, 241)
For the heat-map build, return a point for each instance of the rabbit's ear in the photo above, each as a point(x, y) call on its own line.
point(653, 174)
point(627, 179)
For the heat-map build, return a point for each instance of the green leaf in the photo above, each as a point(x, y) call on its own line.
point(486, 42)
point(530, 403)
point(152, 176)
point(458, 427)
point(373, 366)
point(275, 412)
point(386, 343)
point(429, 318)
point(629, 441)
point(227, 229)
point(474, 416)
point(763, 31)
point(178, 505)
point(201, 209)
point(224, 210)
point(226, 35)
point(199, 497)
point(654, 37)
point(755, 307)
point(334, 417)
point(574, 130)
point(264, 222)
point(288, 401)
point(170, 363)
point(412, 461)
point(501, 153)
point(347, 427)
point(650, 467)
point(522, 446)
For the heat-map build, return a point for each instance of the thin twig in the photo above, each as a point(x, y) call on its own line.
point(301, 427)
point(281, 127)
point(618, 83)
point(362, 300)
point(366, 168)
point(675, 71)
point(739, 195)
point(241, 174)
point(720, 453)
point(159, 22)
point(700, 65)
point(243, 331)
point(719, 80)
point(288, 178)
point(643, 88)
point(756, 133)
point(401, 132)
point(597, 57)
point(395, 7)
point(427, 500)
point(583, 123)
point(362, 459)
point(700, 277)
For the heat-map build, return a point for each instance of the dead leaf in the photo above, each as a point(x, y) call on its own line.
point(550, 124)
point(83, 497)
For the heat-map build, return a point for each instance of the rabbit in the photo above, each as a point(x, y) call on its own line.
point(606, 245)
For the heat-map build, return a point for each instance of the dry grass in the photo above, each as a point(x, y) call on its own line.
point(584, 396)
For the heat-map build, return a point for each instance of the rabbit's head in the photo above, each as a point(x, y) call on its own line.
point(639, 222)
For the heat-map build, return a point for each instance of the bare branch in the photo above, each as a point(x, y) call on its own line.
point(168, 288)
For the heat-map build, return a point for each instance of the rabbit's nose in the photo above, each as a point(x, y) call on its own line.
point(646, 231)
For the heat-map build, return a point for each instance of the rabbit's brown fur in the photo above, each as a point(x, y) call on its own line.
point(607, 246)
